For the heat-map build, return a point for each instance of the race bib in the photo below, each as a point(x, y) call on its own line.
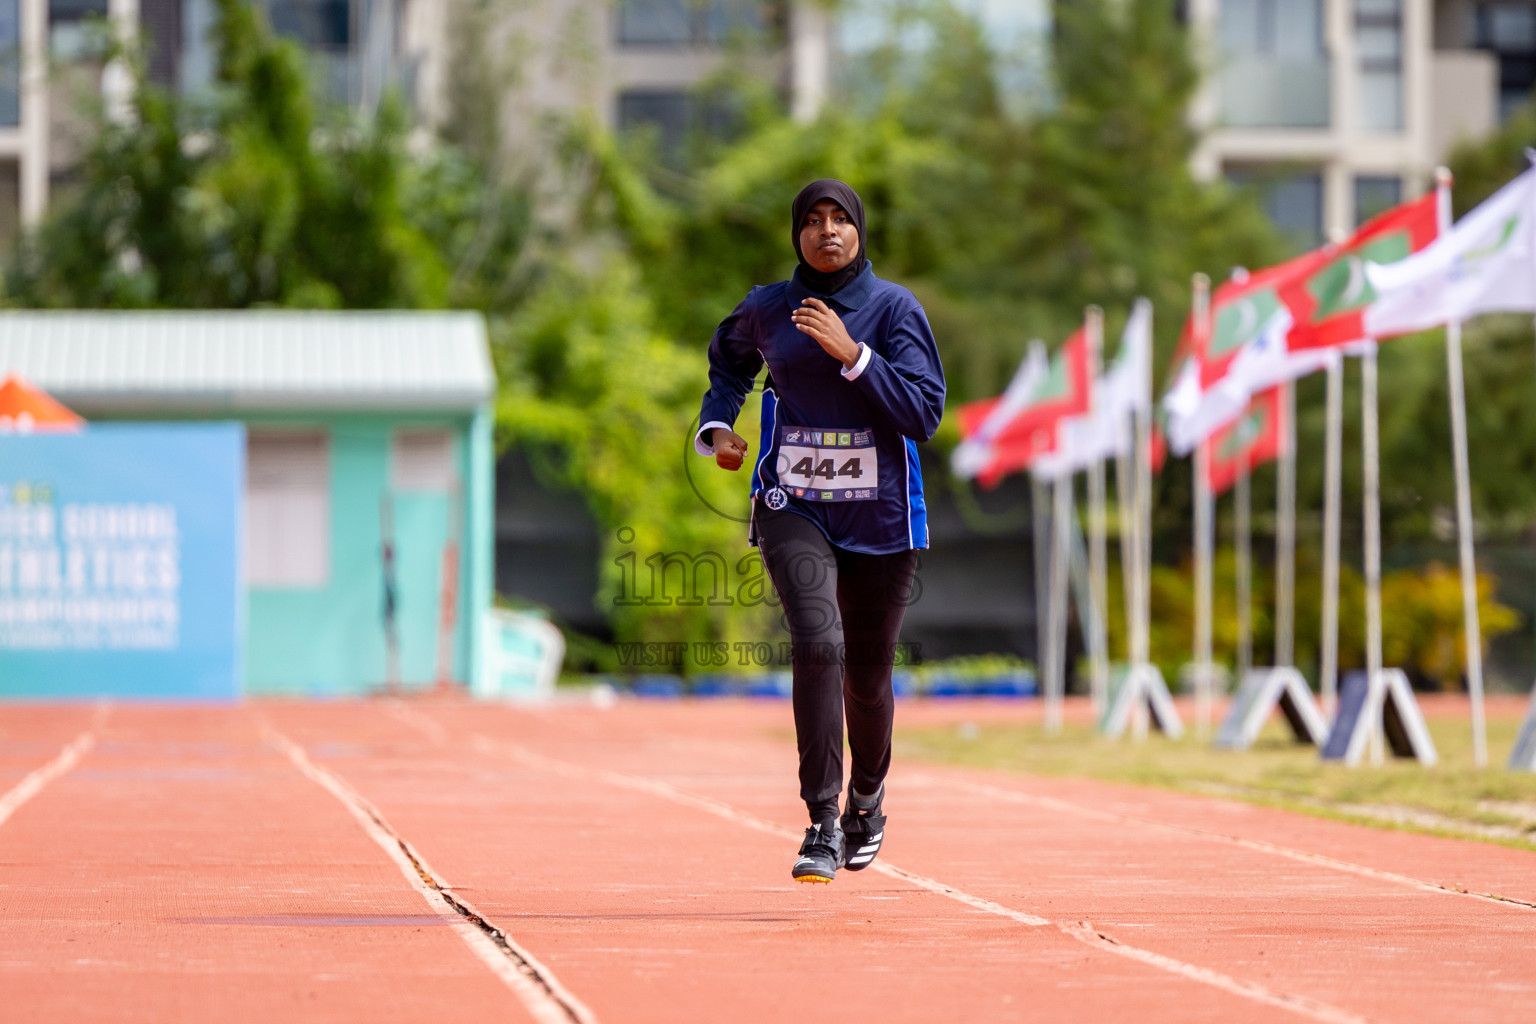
point(828, 465)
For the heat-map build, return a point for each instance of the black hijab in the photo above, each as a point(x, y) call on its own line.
point(844, 196)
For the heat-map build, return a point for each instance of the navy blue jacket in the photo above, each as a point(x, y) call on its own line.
point(837, 446)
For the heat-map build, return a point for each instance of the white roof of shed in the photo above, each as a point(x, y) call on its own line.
point(250, 360)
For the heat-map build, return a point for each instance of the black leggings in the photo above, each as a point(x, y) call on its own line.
point(844, 612)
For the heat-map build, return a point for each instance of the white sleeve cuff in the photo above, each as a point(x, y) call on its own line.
point(698, 439)
point(852, 373)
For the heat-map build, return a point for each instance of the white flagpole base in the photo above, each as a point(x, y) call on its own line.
point(1523, 757)
point(1261, 692)
point(1142, 689)
point(1370, 706)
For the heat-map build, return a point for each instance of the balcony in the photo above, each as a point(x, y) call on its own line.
point(1259, 91)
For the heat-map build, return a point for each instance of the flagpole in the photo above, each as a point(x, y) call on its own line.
point(1141, 653)
point(1040, 515)
point(1328, 672)
point(1285, 534)
point(1141, 489)
point(1061, 527)
point(1205, 524)
point(1454, 383)
point(1243, 542)
point(1126, 508)
point(1372, 455)
point(1098, 557)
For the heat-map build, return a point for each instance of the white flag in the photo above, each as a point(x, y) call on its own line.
point(1127, 387)
point(1124, 389)
point(1195, 414)
point(1082, 441)
point(1486, 263)
point(974, 454)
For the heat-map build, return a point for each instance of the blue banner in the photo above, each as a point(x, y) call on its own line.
point(120, 562)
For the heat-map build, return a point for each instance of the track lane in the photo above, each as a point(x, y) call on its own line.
point(1292, 925)
point(38, 743)
point(535, 986)
point(652, 910)
point(35, 781)
point(184, 871)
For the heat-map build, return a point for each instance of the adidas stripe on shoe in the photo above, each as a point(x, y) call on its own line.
point(863, 829)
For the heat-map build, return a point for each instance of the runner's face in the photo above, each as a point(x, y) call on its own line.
point(828, 238)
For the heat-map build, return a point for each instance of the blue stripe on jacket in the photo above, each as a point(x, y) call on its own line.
point(899, 397)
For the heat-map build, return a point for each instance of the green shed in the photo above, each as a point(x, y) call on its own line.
point(369, 471)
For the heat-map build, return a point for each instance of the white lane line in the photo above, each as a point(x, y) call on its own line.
point(1258, 845)
point(534, 984)
point(1086, 934)
point(34, 781)
point(724, 810)
point(1082, 932)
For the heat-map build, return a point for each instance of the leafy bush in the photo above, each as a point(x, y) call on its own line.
point(1422, 629)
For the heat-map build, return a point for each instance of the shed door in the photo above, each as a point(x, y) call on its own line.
point(424, 487)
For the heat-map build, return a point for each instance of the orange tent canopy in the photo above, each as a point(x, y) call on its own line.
point(24, 408)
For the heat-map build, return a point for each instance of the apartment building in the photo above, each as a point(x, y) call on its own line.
point(658, 51)
point(641, 63)
point(1335, 109)
point(1338, 109)
point(52, 70)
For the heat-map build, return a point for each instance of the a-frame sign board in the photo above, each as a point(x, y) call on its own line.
point(1401, 719)
point(1262, 690)
point(1140, 683)
point(1523, 757)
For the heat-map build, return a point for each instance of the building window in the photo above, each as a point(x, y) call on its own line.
point(1293, 200)
point(287, 509)
point(422, 460)
point(1509, 30)
point(160, 23)
point(315, 24)
point(1376, 194)
point(656, 22)
point(725, 20)
point(10, 201)
point(1280, 28)
point(674, 116)
point(688, 22)
point(10, 63)
point(76, 29)
point(1379, 45)
point(666, 113)
point(1274, 66)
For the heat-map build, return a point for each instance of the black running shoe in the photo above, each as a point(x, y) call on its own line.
point(864, 828)
point(821, 854)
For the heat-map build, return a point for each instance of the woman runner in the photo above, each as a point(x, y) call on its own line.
point(853, 383)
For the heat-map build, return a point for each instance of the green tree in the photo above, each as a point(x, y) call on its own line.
point(1005, 224)
point(606, 403)
point(253, 195)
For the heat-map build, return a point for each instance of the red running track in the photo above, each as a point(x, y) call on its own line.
point(430, 861)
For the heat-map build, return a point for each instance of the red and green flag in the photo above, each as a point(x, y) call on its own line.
point(1240, 310)
point(1254, 438)
point(1006, 434)
point(1329, 301)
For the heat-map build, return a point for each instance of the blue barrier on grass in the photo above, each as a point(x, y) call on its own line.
point(657, 686)
point(780, 685)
